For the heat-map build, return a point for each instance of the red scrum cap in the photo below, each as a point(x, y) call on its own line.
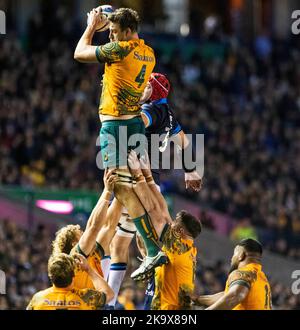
point(160, 86)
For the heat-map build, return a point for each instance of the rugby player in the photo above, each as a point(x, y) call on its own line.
point(128, 65)
point(63, 295)
point(158, 118)
point(72, 240)
point(174, 281)
point(247, 287)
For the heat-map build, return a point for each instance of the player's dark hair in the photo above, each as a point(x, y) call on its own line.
point(190, 223)
point(251, 246)
point(61, 270)
point(126, 18)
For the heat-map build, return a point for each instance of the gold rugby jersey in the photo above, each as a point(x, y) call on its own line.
point(252, 276)
point(82, 280)
point(174, 282)
point(128, 66)
point(55, 298)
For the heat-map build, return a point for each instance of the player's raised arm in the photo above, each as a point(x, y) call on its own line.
point(98, 216)
point(141, 188)
point(108, 230)
point(146, 196)
point(84, 51)
point(157, 196)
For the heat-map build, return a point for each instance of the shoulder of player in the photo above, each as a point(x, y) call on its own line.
point(149, 49)
point(41, 294)
point(91, 297)
point(147, 107)
point(242, 276)
point(123, 48)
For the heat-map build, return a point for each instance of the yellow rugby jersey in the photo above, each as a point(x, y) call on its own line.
point(128, 66)
point(82, 280)
point(174, 282)
point(62, 299)
point(252, 276)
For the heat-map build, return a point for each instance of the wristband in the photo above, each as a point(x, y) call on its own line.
point(140, 178)
point(149, 179)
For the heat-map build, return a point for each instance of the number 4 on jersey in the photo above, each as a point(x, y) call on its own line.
point(140, 79)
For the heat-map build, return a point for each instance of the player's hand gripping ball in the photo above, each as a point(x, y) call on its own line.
point(103, 11)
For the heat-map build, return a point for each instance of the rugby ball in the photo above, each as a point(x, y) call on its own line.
point(104, 11)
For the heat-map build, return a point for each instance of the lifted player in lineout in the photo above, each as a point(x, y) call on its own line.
point(160, 119)
point(128, 65)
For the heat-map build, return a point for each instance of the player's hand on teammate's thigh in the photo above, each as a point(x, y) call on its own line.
point(146, 165)
point(134, 163)
point(110, 179)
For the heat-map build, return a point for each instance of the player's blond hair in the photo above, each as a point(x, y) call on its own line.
point(61, 269)
point(65, 239)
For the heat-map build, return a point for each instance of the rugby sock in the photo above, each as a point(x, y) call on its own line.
point(105, 265)
point(163, 233)
point(145, 228)
point(115, 279)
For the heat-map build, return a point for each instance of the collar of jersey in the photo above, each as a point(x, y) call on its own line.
point(161, 101)
point(55, 288)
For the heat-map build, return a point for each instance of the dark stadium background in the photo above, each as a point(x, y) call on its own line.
point(234, 69)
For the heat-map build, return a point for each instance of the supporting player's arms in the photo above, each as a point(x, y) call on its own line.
point(145, 195)
point(207, 300)
point(236, 295)
point(98, 216)
point(85, 52)
point(107, 232)
point(156, 194)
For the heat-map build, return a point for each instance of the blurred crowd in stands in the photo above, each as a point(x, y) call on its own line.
point(24, 256)
point(245, 99)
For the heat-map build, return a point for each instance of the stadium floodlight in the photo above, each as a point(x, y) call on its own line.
point(60, 207)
